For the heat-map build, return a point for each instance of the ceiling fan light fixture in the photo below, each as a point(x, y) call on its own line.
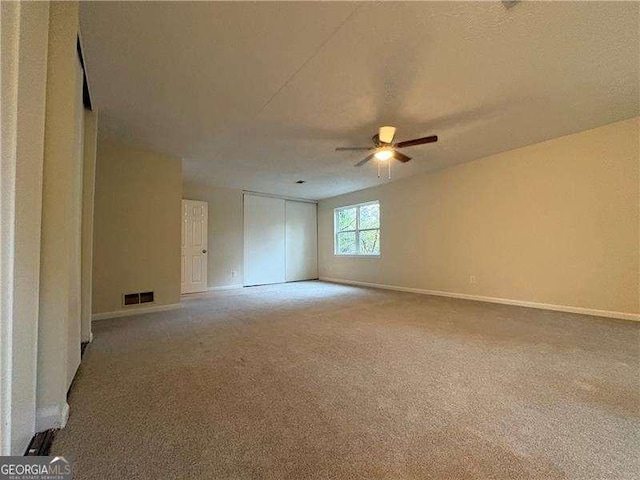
point(385, 149)
point(384, 154)
point(386, 134)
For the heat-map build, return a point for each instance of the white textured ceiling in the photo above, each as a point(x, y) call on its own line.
point(258, 95)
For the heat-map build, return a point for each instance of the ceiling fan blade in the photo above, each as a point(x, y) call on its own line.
point(364, 160)
point(417, 141)
point(340, 149)
point(400, 156)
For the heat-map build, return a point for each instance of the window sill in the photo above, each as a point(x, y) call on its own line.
point(356, 256)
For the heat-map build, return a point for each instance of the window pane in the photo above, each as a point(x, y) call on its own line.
point(347, 219)
point(347, 243)
point(370, 216)
point(370, 242)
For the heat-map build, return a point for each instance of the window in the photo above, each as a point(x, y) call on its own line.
point(357, 229)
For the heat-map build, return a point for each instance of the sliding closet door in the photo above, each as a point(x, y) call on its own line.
point(264, 240)
point(301, 241)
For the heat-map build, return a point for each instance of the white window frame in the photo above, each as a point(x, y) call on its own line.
point(357, 230)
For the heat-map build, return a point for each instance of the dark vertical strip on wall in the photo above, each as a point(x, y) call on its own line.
point(86, 97)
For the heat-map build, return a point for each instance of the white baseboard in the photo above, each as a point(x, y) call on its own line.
point(135, 311)
point(225, 287)
point(52, 416)
point(504, 301)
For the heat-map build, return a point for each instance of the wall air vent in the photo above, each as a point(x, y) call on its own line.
point(130, 299)
point(146, 297)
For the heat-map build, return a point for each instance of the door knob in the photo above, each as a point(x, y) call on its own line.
point(204, 251)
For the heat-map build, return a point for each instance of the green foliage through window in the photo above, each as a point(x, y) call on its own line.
point(357, 229)
point(370, 216)
point(347, 243)
point(370, 242)
point(347, 219)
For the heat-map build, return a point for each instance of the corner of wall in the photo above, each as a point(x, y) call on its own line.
point(52, 416)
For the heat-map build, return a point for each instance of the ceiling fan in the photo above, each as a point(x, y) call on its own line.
point(384, 148)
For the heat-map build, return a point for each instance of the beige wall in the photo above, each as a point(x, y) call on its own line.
point(555, 222)
point(136, 226)
point(225, 232)
point(59, 317)
point(24, 31)
point(74, 222)
point(88, 187)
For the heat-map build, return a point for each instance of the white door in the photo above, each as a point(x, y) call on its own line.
point(194, 246)
point(301, 241)
point(264, 245)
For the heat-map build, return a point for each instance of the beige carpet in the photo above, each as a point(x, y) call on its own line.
point(319, 381)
